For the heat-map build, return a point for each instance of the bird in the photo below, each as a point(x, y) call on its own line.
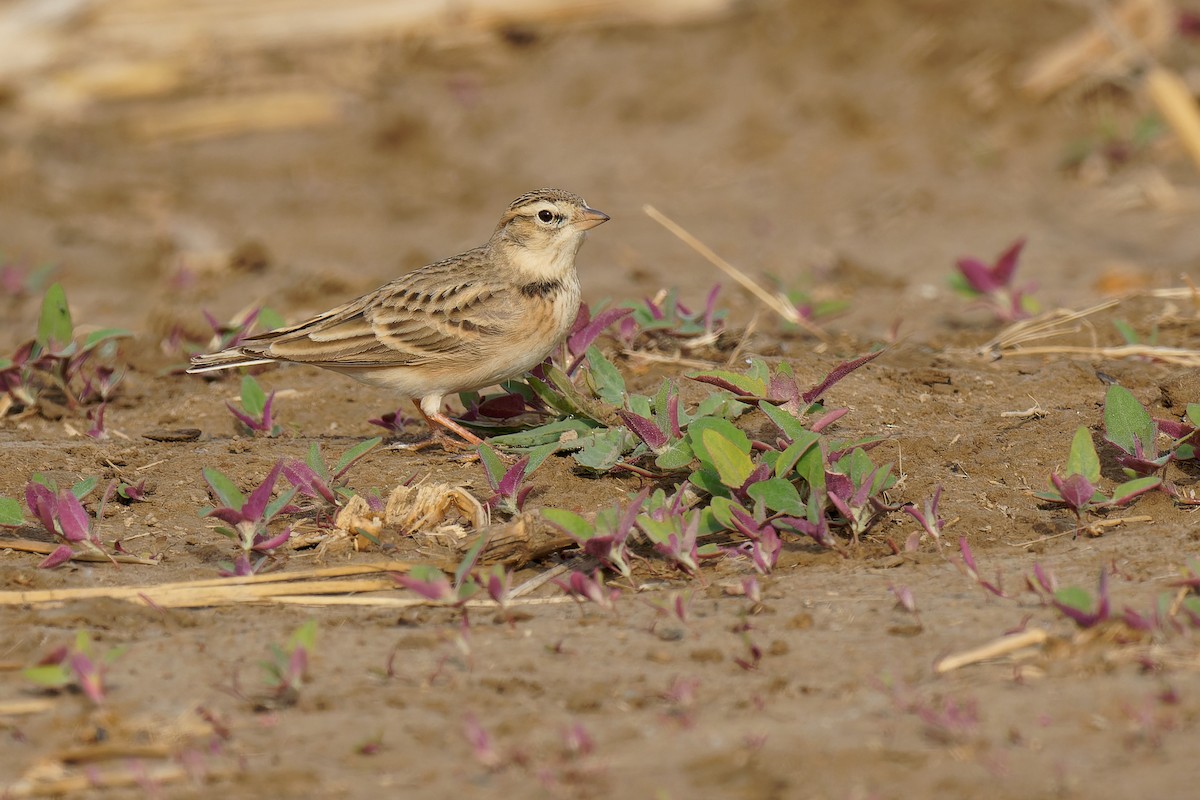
point(463, 323)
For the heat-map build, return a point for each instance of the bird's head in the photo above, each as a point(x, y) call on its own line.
point(542, 230)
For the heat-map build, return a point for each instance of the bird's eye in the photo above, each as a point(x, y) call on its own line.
point(545, 215)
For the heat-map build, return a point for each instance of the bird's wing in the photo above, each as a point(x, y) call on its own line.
point(445, 309)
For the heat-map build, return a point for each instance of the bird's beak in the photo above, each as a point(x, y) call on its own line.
point(590, 218)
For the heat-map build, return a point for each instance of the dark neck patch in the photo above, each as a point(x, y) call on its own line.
point(541, 288)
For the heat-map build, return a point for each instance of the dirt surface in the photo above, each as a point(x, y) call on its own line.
point(854, 150)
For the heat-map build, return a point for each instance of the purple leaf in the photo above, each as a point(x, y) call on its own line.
point(710, 307)
point(644, 429)
point(72, 517)
point(42, 504)
point(825, 420)
point(977, 275)
point(244, 418)
point(89, 677)
point(1006, 264)
point(266, 545)
point(673, 415)
point(580, 340)
point(61, 555)
point(227, 515)
point(511, 481)
point(307, 481)
point(840, 371)
point(437, 589)
point(257, 502)
point(96, 415)
point(1076, 490)
point(503, 407)
point(266, 412)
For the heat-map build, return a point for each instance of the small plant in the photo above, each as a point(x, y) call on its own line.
point(432, 583)
point(590, 588)
point(508, 493)
point(76, 666)
point(287, 669)
point(61, 513)
point(1079, 490)
point(249, 517)
point(1076, 603)
point(663, 317)
point(992, 286)
point(315, 479)
point(607, 538)
point(54, 366)
point(255, 415)
point(928, 516)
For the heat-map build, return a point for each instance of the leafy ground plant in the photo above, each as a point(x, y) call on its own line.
point(324, 483)
point(286, 671)
point(255, 417)
point(55, 367)
point(61, 513)
point(76, 666)
point(247, 518)
point(992, 286)
point(1079, 490)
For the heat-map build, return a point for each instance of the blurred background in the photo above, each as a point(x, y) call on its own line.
point(166, 157)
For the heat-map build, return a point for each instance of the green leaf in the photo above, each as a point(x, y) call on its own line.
point(1127, 422)
point(1128, 490)
point(254, 399)
point(778, 495)
point(538, 455)
point(749, 386)
point(605, 378)
point(602, 450)
point(468, 561)
point(658, 530)
point(792, 427)
point(305, 636)
point(10, 513)
point(719, 404)
point(1193, 414)
point(1126, 330)
point(1083, 460)
point(276, 505)
point(354, 453)
point(315, 462)
point(103, 335)
point(722, 511)
point(492, 465)
point(706, 480)
point(551, 432)
point(52, 676)
point(54, 325)
point(85, 487)
point(790, 457)
point(569, 521)
point(725, 428)
point(269, 319)
point(811, 467)
point(225, 489)
point(732, 464)
point(640, 405)
point(1075, 597)
point(676, 456)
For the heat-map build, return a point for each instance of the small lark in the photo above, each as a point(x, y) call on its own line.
point(459, 324)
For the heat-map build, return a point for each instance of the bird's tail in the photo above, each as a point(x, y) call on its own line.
point(225, 359)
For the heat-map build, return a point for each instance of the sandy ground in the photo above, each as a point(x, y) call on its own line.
point(851, 150)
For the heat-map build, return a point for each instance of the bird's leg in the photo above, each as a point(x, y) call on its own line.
point(438, 418)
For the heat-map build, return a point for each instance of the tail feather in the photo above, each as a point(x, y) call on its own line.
point(225, 359)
